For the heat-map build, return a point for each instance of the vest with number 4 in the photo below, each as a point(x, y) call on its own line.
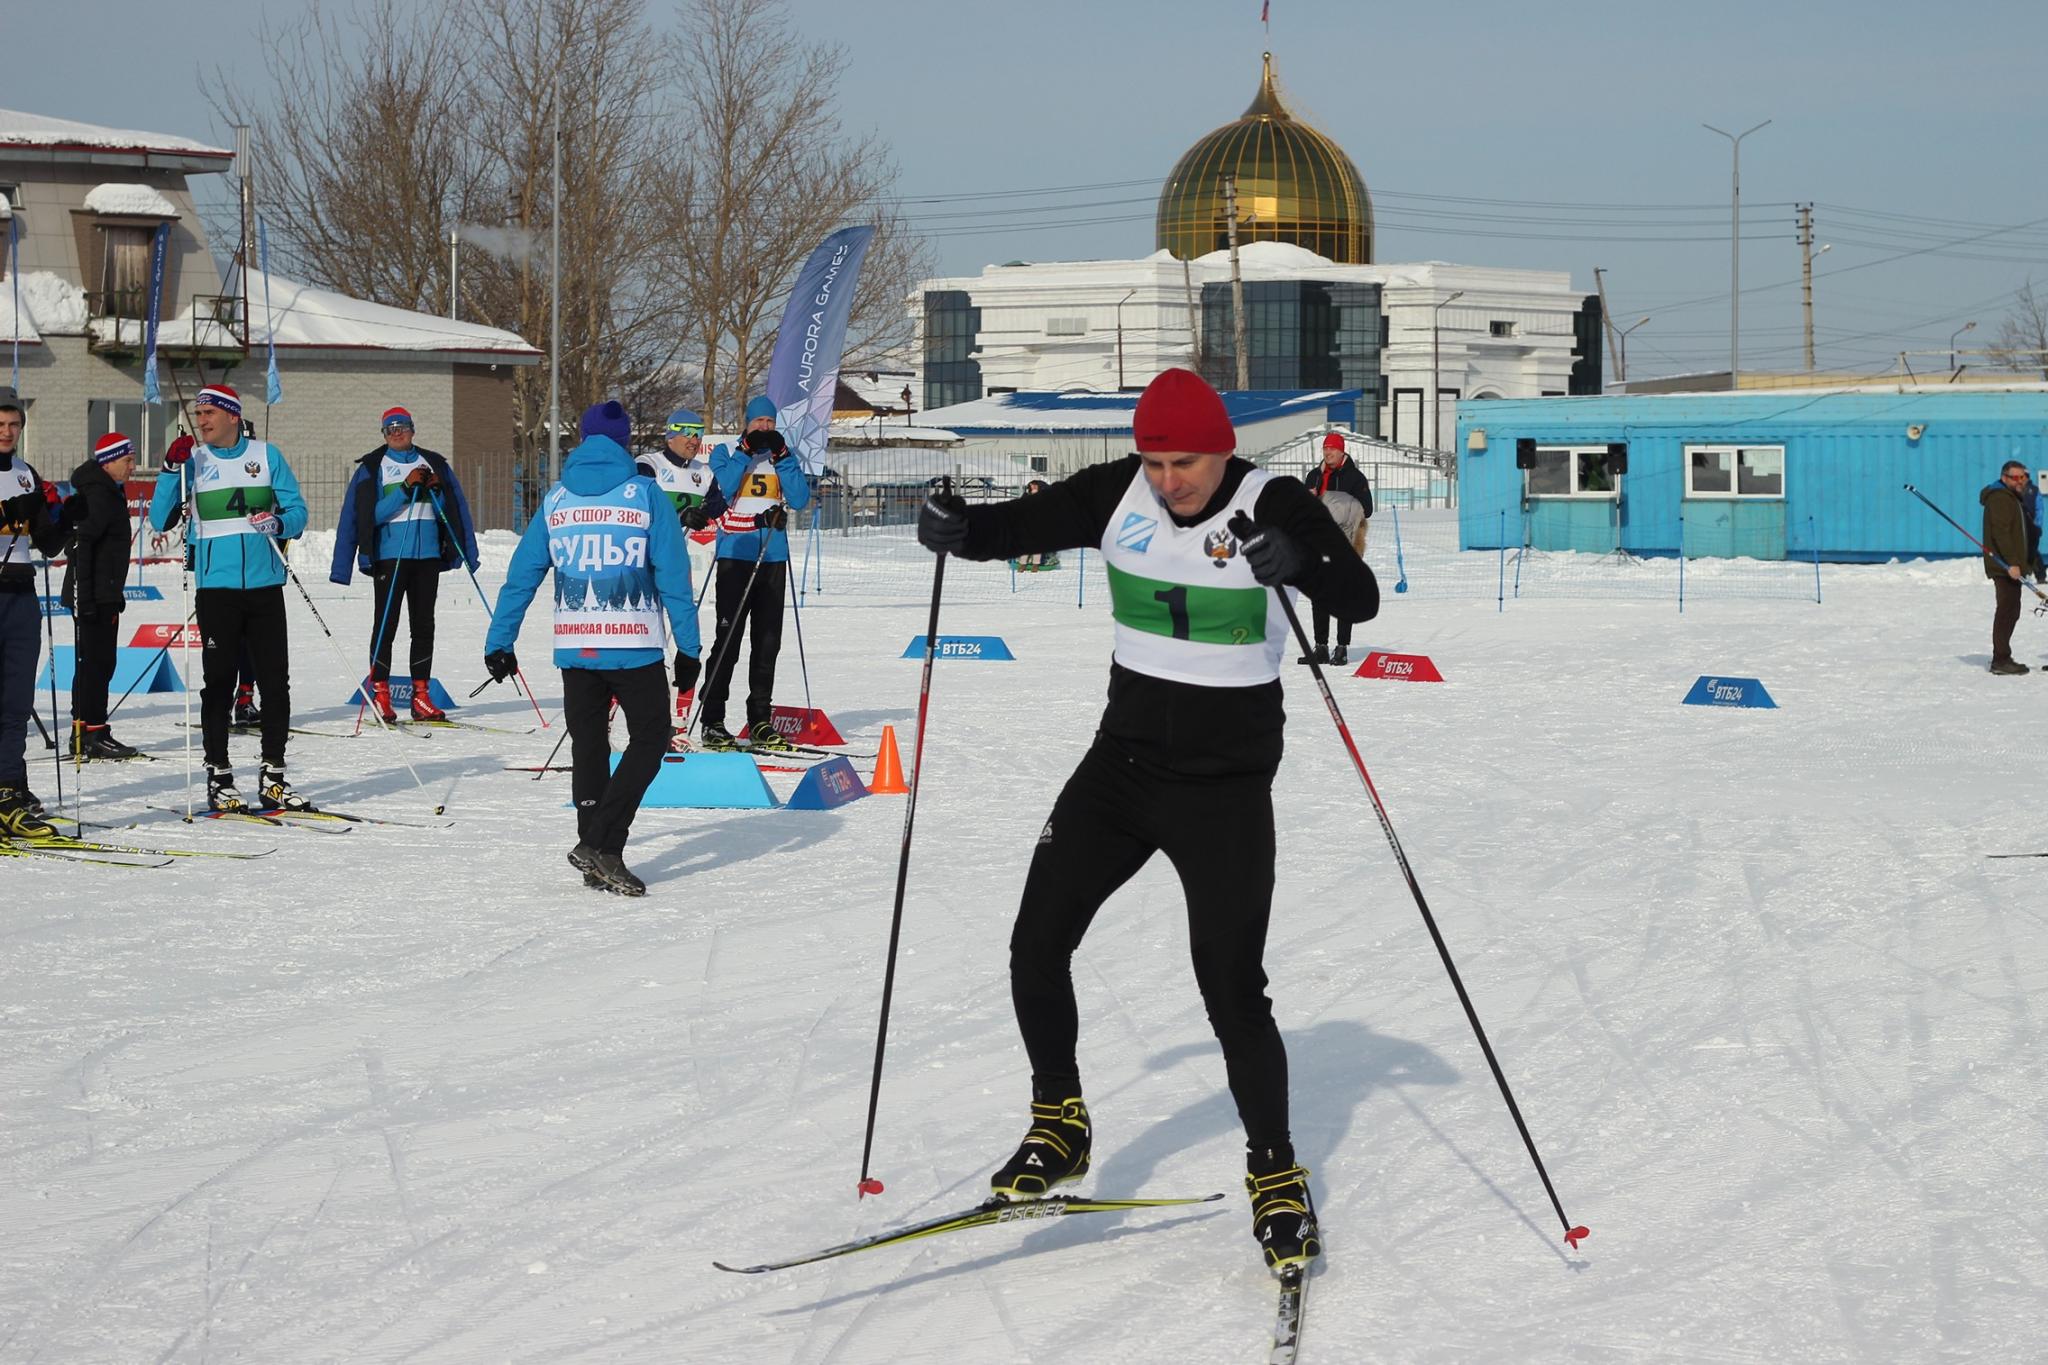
point(760, 489)
point(686, 485)
point(15, 549)
point(226, 489)
point(1186, 604)
point(605, 595)
point(391, 475)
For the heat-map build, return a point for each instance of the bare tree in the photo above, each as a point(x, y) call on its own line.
point(2023, 335)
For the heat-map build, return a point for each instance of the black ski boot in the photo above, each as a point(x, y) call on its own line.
point(717, 738)
point(220, 790)
point(1319, 655)
point(1338, 655)
point(1054, 1152)
point(97, 743)
point(1283, 1214)
point(19, 818)
point(584, 859)
point(616, 877)
point(766, 739)
point(277, 794)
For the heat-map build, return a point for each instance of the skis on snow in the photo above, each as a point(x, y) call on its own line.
point(985, 1214)
point(1287, 1317)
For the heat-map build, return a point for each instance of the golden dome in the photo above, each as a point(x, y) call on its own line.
point(1293, 185)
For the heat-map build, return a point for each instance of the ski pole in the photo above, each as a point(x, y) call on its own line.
point(342, 659)
point(1245, 530)
point(489, 610)
point(730, 636)
point(377, 645)
point(868, 1184)
point(1989, 553)
point(149, 670)
point(802, 663)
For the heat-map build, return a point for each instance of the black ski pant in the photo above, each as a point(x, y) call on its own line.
point(764, 619)
point(97, 641)
point(229, 619)
point(21, 648)
point(607, 799)
point(2004, 618)
point(1323, 628)
point(1113, 815)
point(413, 584)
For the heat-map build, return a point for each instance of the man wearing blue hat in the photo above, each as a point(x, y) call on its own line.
point(698, 501)
point(763, 481)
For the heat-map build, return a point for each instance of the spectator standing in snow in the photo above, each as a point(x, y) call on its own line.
point(1338, 475)
point(2005, 536)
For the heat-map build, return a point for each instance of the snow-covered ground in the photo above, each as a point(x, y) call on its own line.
point(1773, 1016)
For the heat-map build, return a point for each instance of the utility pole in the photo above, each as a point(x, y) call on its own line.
point(1436, 393)
point(1806, 276)
point(1237, 328)
point(1735, 250)
point(1187, 281)
point(555, 301)
point(1607, 320)
point(242, 253)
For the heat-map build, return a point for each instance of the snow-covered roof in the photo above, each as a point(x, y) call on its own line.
point(886, 431)
point(306, 316)
point(19, 128)
point(140, 200)
point(1110, 413)
point(858, 468)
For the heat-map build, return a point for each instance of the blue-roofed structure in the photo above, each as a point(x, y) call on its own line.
point(1764, 474)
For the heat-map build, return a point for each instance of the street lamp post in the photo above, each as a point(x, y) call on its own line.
point(1735, 249)
point(1953, 368)
point(1436, 397)
point(1120, 340)
point(1621, 350)
point(906, 405)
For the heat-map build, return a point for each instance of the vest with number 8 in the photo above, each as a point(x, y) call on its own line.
point(1187, 607)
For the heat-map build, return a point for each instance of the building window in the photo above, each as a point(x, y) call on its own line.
point(1066, 327)
point(149, 426)
point(1572, 472)
point(1735, 471)
point(124, 273)
point(1500, 329)
point(10, 194)
point(952, 332)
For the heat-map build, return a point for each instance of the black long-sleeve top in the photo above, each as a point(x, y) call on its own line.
point(1184, 729)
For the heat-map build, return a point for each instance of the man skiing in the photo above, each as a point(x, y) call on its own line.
point(698, 500)
point(31, 522)
point(619, 560)
point(405, 522)
point(94, 588)
point(763, 481)
point(244, 499)
point(1182, 763)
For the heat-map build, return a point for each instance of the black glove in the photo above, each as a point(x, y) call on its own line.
point(18, 509)
point(501, 663)
point(694, 518)
point(687, 669)
point(1276, 558)
point(774, 519)
point(768, 442)
point(942, 524)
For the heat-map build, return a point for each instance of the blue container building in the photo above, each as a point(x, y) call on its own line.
point(1765, 474)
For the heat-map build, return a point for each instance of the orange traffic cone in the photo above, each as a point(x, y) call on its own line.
point(888, 779)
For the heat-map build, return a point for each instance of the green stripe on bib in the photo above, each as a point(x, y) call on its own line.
point(224, 504)
point(1183, 611)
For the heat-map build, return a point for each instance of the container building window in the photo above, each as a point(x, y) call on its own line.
point(1735, 471)
point(1572, 472)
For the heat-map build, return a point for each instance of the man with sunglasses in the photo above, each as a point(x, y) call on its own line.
point(691, 486)
point(2005, 536)
point(404, 522)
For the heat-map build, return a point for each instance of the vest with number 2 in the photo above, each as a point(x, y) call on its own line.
point(760, 489)
point(226, 489)
point(14, 482)
point(686, 485)
point(605, 595)
point(1186, 604)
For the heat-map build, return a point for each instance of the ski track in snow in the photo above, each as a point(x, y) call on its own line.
point(416, 1095)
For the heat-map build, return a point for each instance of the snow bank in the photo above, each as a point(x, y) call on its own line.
point(55, 303)
point(130, 199)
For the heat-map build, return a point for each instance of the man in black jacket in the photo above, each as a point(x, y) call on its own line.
point(1195, 542)
point(2009, 558)
point(30, 522)
point(1337, 474)
point(93, 583)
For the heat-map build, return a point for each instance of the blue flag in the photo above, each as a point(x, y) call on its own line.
point(273, 389)
point(804, 371)
point(156, 298)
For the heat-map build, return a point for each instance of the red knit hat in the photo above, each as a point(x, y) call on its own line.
point(112, 447)
point(1332, 441)
point(1180, 412)
point(394, 417)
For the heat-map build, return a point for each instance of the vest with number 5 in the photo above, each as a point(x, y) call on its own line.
point(760, 489)
point(1186, 604)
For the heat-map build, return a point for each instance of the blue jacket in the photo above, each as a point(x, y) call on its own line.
point(364, 513)
point(599, 468)
point(245, 560)
point(730, 468)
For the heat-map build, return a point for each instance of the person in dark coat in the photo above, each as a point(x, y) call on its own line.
point(1337, 474)
point(2005, 538)
point(93, 584)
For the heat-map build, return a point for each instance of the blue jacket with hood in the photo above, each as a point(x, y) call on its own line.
point(601, 471)
point(731, 468)
point(233, 561)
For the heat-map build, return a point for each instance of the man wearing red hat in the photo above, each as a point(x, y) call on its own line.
point(1182, 763)
point(95, 581)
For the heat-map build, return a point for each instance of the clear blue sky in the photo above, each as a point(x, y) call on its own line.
point(1878, 108)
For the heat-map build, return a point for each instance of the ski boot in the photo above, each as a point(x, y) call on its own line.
point(1054, 1152)
point(1339, 655)
point(380, 697)
point(764, 738)
point(584, 859)
point(1283, 1214)
point(1319, 655)
point(423, 707)
point(616, 877)
point(717, 738)
point(97, 743)
point(247, 716)
point(220, 790)
point(19, 818)
point(683, 701)
point(276, 793)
